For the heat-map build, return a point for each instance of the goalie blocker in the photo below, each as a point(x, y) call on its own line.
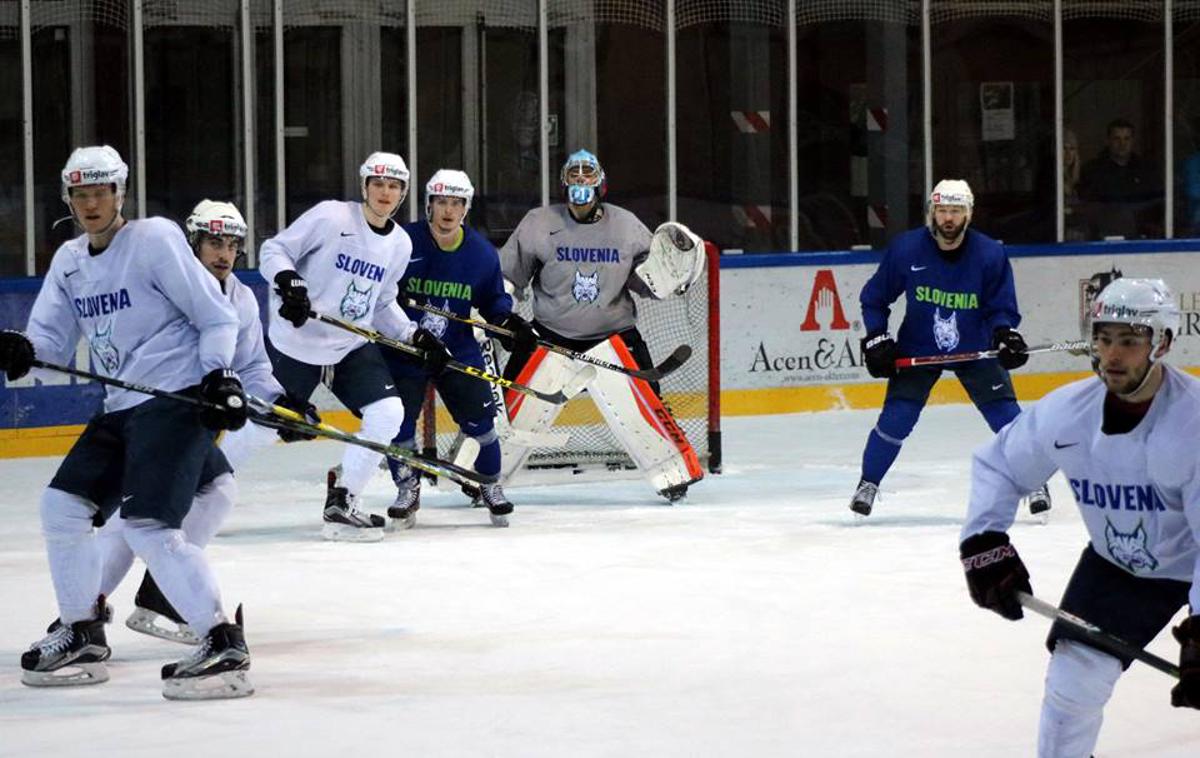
point(631, 407)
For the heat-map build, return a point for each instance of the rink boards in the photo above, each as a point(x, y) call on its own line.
point(790, 331)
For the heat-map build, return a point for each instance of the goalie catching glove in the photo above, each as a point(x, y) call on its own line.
point(675, 261)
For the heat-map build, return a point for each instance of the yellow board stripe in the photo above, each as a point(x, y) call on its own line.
point(57, 440)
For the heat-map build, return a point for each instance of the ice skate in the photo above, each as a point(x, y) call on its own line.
point(153, 615)
point(69, 655)
point(497, 503)
point(864, 498)
point(344, 522)
point(216, 670)
point(1039, 503)
point(403, 512)
point(675, 493)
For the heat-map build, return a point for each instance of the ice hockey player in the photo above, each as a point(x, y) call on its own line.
point(216, 232)
point(959, 295)
point(154, 317)
point(1126, 444)
point(582, 259)
point(345, 259)
point(453, 268)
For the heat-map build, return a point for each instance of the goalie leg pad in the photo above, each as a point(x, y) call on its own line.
point(529, 416)
point(642, 423)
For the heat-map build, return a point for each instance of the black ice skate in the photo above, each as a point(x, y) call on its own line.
point(403, 512)
point(1039, 503)
point(69, 655)
point(864, 498)
point(153, 615)
point(497, 503)
point(344, 522)
point(217, 669)
point(675, 492)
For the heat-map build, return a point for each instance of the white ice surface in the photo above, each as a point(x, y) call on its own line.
point(754, 620)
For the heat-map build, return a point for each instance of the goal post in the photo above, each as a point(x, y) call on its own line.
point(692, 392)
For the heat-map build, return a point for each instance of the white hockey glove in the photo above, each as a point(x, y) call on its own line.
point(675, 262)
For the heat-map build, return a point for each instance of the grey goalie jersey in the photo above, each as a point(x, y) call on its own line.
point(1138, 492)
point(582, 274)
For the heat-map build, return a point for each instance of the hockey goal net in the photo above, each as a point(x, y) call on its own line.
point(692, 392)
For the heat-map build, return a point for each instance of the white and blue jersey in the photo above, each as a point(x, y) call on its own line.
point(250, 359)
point(952, 306)
point(455, 280)
point(1138, 492)
point(352, 273)
point(150, 312)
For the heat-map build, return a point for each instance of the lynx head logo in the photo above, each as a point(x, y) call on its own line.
point(435, 324)
point(945, 330)
point(103, 349)
point(356, 303)
point(587, 286)
point(1129, 548)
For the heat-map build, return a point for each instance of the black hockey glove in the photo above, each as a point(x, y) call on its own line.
point(995, 573)
point(436, 355)
point(16, 354)
point(523, 340)
point(879, 352)
point(305, 409)
point(222, 388)
point(1186, 694)
point(1012, 347)
point(293, 290)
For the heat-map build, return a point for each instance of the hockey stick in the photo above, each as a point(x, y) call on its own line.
point(673, 361)
point(278, 417)
point(1109, 643)
point(558, 398)
point(145, 390)
point(930, 360)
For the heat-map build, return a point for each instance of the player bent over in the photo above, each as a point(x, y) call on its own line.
point(453, 268)
point(216, 232)
point(582, 259)
point(960, 297)
point(345, 259)
point(152, 316)
point(1126, 443)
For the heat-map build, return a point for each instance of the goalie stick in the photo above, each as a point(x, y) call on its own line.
point(673, 361)
point(930, 360)
point(262, 412)
point(278, 417)
point(1109, 643)
point(558, 398)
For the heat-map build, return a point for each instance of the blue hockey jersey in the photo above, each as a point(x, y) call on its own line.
point(950, 306)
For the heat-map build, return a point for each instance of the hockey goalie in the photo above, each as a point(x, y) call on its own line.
point(581, 261)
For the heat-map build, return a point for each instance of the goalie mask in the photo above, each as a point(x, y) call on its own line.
point(448, 182)
point(216, 219)
point(583, 179)
point(1144, 304)
point(950, 193)
point(385, 166)
point(675, 261)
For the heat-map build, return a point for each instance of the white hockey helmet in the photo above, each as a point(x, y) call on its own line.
point(953, 192)
point(384, 166)
point(449, 182)
point(215, 218)
point(1145, 303)
point(98, 164)
point(583, 178)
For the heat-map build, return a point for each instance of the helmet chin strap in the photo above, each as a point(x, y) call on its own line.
point(108, 226)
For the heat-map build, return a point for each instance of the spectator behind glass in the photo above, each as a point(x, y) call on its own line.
point(1123, 193)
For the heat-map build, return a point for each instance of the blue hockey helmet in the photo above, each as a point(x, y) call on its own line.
point(583, 179)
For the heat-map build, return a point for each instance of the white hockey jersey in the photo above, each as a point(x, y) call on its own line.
point(250, 359)
point(150, 312)
point(352, 273)
point(1138, 492)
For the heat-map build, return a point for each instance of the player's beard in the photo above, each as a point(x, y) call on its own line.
point(955, 231)
point(1128, 382)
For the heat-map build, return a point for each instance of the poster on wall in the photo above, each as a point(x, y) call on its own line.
point(996, 111)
